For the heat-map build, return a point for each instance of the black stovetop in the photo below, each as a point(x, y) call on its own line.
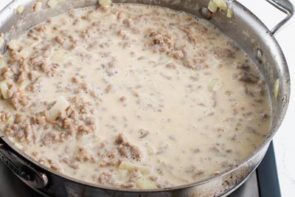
point(262, 183)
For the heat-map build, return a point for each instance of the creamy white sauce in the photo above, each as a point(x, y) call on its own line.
point(176, 89)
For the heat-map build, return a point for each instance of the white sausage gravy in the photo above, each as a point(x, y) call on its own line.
point(132, 96)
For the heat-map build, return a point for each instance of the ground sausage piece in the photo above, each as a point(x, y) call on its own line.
point(127, 150)
point(104, 178)
point(248, 77)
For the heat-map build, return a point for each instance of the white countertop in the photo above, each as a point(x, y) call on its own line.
point(284, 141)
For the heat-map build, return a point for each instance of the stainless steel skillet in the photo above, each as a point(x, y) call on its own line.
point(244, 28)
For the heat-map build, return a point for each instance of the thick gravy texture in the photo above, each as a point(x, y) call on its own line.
point(132, 96)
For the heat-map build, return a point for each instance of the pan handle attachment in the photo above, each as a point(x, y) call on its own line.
point(21, 168)
point(284, 6)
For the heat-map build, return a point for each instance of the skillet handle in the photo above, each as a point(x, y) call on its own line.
point(4, 4)
point(21, 168)
point(284, 6)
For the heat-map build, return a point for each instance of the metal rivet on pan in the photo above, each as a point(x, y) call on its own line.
point(206, 13)
point(259, 56)
point(284, 100)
